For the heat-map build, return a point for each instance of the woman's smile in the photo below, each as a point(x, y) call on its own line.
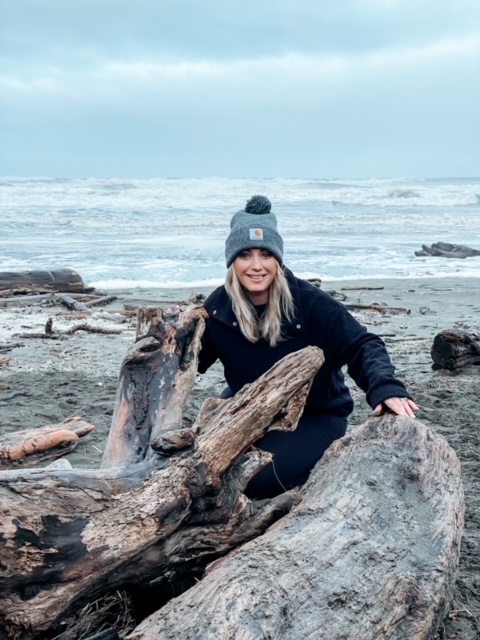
point(256, 270)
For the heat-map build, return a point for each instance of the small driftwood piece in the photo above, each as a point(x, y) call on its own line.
point(66, 280)
point(447, 250)
point(456, 348)
point(90, 329)
point(4, 348)
point(362, 288)
point(180, 507)
point(25, 300)
point(370, 551)
point(33, 447)
point(50, 333)
point(100, 302)
point(70, 303)
point(379, 308)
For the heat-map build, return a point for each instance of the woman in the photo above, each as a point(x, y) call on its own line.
point(262, 313)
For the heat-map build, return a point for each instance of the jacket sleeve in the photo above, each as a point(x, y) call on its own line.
point(208, 354)
point(365, 355)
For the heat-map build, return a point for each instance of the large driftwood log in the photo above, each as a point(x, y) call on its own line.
point(94, 531)
point(155, 380)
point(456, 348)
point(372, 546)
point(447, 250)
point(66, 280)
point(370, 552)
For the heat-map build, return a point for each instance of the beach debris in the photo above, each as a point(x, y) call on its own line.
point(27, 300)
point(358, 306)
point(425, 311)
point(32, 447)
point(316, 282)
point(84, 304)
point(100, 301)
point(338, 295)
point(447, 250)
point(71, 303)
point(362, 288)
point(49, 288)
point(455, 348)
point(43, 281)
point(168, 503)
point(91, 329)
point(48, 332)
point(117, 318)
point(51, 334)
point(377, 307)
point(4, 348)
point(102, 617)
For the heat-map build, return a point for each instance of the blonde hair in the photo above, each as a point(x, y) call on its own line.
point(280, 305)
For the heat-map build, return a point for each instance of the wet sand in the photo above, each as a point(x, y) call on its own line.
point(47, 381)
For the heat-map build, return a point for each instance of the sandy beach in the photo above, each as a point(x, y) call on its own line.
point(46, 381)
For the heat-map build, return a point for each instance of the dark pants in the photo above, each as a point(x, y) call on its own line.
point(295, 453)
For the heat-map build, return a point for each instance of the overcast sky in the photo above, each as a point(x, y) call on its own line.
point(235, 88)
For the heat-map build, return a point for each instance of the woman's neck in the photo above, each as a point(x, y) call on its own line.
point(258, 299)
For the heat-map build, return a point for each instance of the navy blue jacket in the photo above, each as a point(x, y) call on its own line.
point(320, 321)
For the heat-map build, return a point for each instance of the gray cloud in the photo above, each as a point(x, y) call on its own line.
point(372, 87)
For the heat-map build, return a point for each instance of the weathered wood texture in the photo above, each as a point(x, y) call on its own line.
point(155, 379)
point(93, 531)
point(456, 348)
point(370, 552)
point(26, 300)
point(66, 280)
point(447, 250)
point(71, 303)
point(33, 447)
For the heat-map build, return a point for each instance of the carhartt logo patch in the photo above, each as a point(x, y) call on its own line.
point(256, 234)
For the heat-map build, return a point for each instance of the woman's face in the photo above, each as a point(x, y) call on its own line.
point(256, 269)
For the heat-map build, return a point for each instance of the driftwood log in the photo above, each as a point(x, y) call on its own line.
point(26, 300)
point(370, 551)
point(71, 303)
point(456, 348)
point(447, 250)
point(379, 308)
point(29, 299)
point(50, 334)
point(32, 447)
point(70, 535)
point(66, 280)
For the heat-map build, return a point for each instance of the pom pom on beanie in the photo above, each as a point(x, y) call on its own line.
point(254, 228)
point(258, 205)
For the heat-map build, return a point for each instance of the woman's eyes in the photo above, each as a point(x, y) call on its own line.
point(248, 254)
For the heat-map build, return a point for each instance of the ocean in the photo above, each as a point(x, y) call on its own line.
point(167, 232)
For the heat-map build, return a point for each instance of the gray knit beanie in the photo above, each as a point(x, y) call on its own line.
point(254, 228)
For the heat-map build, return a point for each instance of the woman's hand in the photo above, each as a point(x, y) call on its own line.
point(398, 406)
